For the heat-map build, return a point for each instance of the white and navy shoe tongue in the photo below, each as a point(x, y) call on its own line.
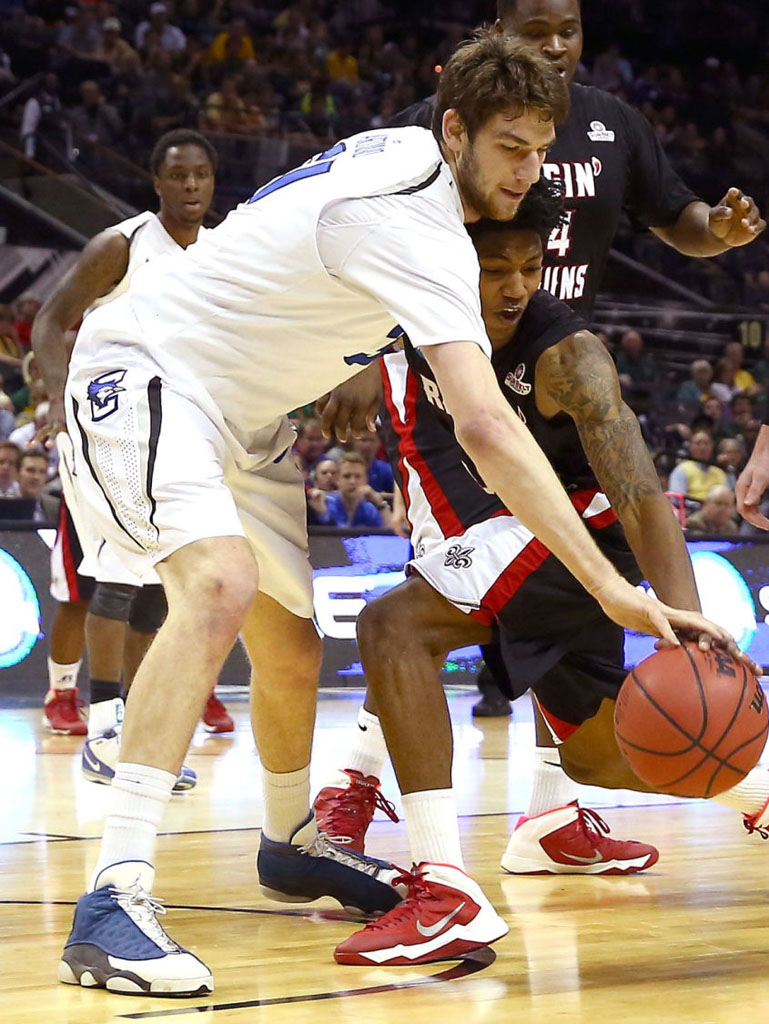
point(126, 875)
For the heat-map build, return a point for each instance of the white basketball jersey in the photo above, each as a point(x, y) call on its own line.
point(146, 238)
point(305, 284)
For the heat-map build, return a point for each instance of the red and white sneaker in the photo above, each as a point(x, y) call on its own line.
point(216, 717)
point(344, 813)
point(443, 916)
point(572, 840)
point(758, 822)
point(61, 713)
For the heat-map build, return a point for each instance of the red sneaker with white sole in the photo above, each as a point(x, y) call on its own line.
point(444, 916)
point(572, 840)
point(216, 717)
point(61, 713)
point(344, 813)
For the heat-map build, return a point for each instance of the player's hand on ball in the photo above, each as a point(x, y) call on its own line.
point(705, 642)
point(736, 219)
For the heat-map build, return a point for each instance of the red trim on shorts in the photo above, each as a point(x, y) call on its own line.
point(441, 508)
point(70, 569)
point(563, 730)
point(510, 580)
point(581, 499)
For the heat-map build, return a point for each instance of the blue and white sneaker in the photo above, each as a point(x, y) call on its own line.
point(102, 753)
point(310, 866)
point(117, 942)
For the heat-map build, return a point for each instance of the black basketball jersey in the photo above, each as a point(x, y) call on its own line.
point(609, 158)
point(442, 488)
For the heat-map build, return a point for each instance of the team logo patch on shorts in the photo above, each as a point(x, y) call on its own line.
point(103, 393)
point(458, 557)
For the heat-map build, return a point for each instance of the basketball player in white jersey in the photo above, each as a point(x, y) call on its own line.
point(177, 398)
point(183, 166)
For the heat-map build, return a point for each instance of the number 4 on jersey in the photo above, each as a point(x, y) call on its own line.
point(319, 164)
point(560, 238)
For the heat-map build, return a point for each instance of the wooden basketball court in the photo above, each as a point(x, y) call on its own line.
point(687, 941)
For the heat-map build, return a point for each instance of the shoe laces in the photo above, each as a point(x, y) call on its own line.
point(143, 910)
point(354, 806)
point(592, 823)
point(418, 892)
point(322, 846)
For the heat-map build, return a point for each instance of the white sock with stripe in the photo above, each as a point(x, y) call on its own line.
point(433, 827)
point(551, 786)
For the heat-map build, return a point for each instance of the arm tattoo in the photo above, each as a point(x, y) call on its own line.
point(579, 376)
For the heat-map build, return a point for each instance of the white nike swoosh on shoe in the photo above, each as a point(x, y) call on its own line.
point(582, 860)
point(90, 760)
point(432, 929)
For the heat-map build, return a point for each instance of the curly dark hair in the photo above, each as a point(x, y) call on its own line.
point(541, 211)
point(181, 137)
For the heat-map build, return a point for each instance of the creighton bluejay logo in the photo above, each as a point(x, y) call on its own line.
point(103, 393)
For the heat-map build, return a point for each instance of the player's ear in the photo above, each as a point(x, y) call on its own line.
point(453, 131)
point(499, 27)
point(156, 184)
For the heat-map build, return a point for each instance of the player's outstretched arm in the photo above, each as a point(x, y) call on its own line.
point(578, 377)
point(703, 230)
point(102, 264)
point(754, 480)
point(514, 466)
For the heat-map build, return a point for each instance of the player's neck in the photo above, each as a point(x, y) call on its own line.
point(182, 234)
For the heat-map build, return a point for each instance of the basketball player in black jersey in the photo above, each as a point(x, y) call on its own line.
point(492, 576)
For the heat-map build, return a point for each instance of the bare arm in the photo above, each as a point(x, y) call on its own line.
point(579, 378)
point(753, 481)
point(102, 264)
point(351, 408)
point(702, 230)
point(514, 466)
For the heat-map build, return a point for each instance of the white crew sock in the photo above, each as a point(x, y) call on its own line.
point(63, 677)
point(105, 715)
point(551, 787)
point(369, 751)
point(137, 799)
point(286, 802)
point(433, 828)
point(749, 796)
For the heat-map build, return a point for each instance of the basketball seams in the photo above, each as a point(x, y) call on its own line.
point(713, 762)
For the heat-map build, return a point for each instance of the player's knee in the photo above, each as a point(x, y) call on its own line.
point(381, 627)
point(149, 609)
point(113, 601)
point(223, 594)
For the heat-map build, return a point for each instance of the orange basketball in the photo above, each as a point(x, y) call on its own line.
point(691, 722)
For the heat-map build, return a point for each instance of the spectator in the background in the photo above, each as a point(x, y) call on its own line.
point(379, 472)
point(9, 469)
point(225, 110)
point(730, 456)
point(635, 366)
point(32, 391)
point(697, 387)
point(10, 351)
point(310, 445)
point(325, 476)
point(717, 515)
point(95, 120)
point(743, 378)
point(27, 308)
point(695, 476)
point(33, 476)
point(713, 408)
point(355, 503)
point(342, 64)
point(43, 114)
point(612, 71)
point(169, 36)
point(724, 384)
point(114, 50)
point(81, 37)
point(7, 412)
point(761, 368)
point(233, 44)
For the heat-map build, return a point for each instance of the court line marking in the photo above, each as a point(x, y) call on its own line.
point(49, 837)
point(472, 964)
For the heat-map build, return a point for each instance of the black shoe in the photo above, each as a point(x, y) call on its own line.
point(492, 705)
